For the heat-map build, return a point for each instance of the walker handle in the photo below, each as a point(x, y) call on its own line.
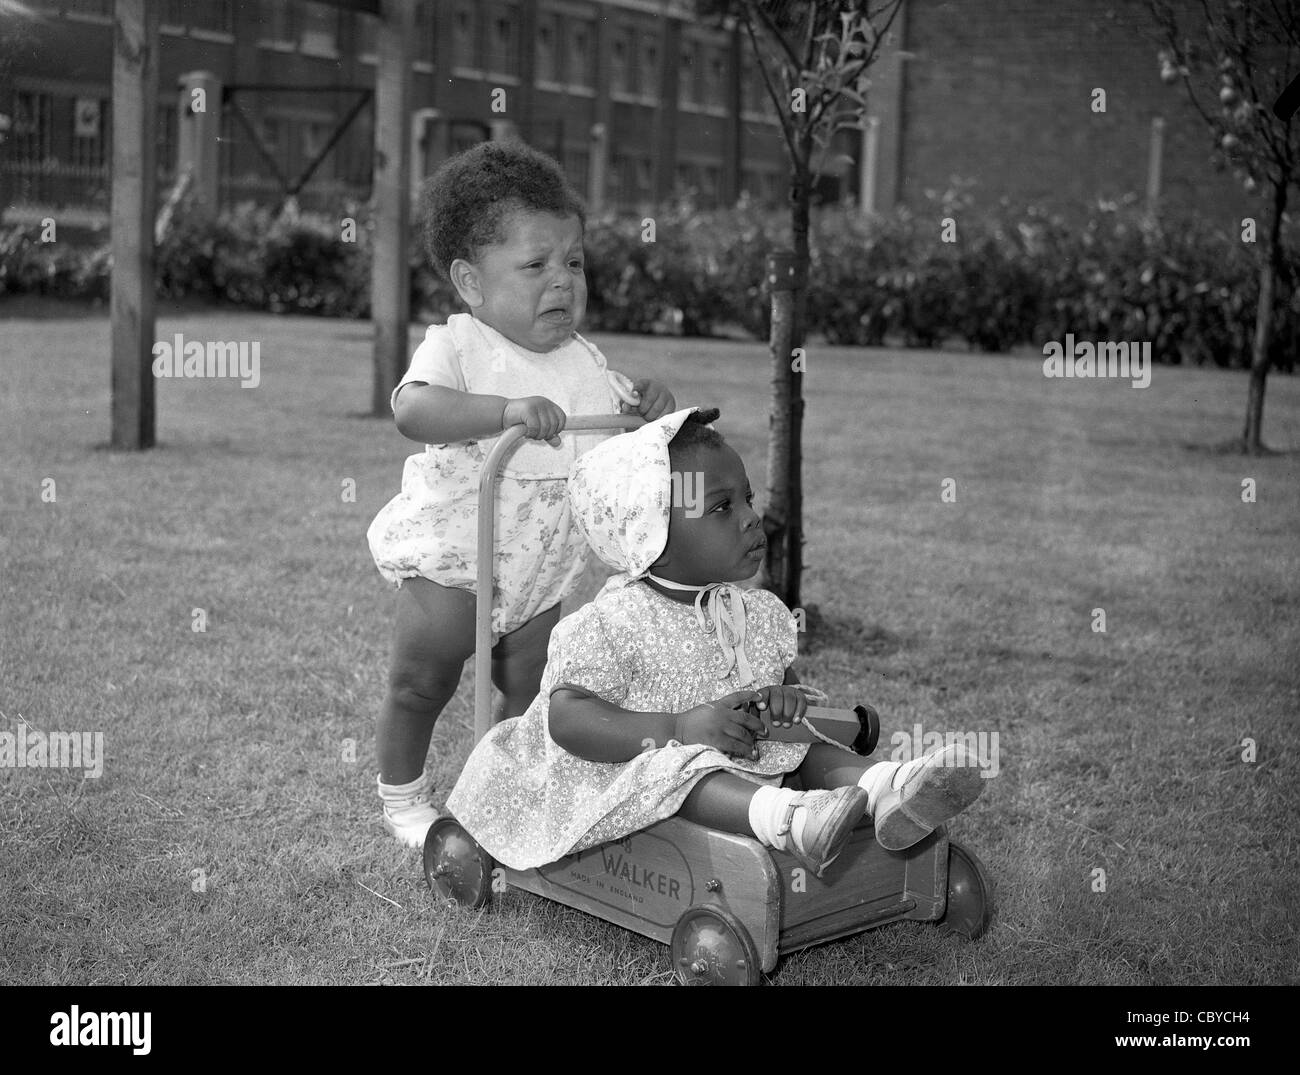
point(486, 535)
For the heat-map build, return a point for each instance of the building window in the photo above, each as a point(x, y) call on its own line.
point(276, 24)
point(617, 178)
point(33, 127)
point(464, 39)
point(503, 51)
point(423, 32)
point(711, 184)
point(463, 137)
point(548, 39)
point(579, 59)
point(319, 29)
point(752, 88)
point(576, 165)
point(167, 123)
point(367, 31)
point(96, 9)
point(313, 139)
point(687, 69)
point(715, 78)
point(272, 133)
point(91, 121)
point(214, 16)
point(649, 64)
point(644, 177)
point(620, 63)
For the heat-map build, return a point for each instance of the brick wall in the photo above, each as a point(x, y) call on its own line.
point(999, 91)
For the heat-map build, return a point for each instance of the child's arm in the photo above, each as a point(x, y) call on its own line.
point(435, 414)
point(592, 728)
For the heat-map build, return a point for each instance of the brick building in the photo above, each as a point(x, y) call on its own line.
point(994, 91)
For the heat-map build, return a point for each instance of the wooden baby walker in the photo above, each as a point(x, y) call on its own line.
point(727, 906)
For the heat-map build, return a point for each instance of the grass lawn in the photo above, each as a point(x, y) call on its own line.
point(225, 750)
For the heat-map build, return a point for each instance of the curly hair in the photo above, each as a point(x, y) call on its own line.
point(693, 435)
point(465, 203)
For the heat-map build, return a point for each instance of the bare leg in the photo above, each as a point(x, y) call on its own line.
point(434, 636)
point(518, 660)
point(721, 801)
point(829, 767)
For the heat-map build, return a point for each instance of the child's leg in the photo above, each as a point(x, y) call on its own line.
point(811, 825)
point(721, 801)
point(518, 660)
point(434, 637)
point(826, 766)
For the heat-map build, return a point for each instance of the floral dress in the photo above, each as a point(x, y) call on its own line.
point(528, 801)
point(430, 529)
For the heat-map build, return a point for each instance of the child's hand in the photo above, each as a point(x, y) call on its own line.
point(655, 399)
point(722, 724)
point(542, 417)
point(784, 705)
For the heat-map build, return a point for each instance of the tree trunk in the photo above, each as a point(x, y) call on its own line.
point(780, 266)
point(1251, 438)
point(783, 521)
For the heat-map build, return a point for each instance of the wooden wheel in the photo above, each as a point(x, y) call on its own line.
point(710, 946)
point(970, 894)
point(454, 864)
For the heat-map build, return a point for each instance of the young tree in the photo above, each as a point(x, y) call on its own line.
point(1252, 48)
point(813, 59)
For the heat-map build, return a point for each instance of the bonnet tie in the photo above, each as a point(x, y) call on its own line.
point(725, 620)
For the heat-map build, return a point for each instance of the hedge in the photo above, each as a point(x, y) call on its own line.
point(1008, 277)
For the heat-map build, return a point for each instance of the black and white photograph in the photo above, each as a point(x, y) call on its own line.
point(571, 493)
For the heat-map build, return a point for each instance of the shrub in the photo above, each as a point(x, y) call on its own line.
point(1012, 276)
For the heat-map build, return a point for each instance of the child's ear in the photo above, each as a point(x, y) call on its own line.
point(464, 278)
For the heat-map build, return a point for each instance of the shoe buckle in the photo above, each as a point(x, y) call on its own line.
point(787, 820)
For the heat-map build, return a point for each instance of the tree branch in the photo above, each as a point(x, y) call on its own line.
point(782, 115)
point(770, 27)
point(826, 99)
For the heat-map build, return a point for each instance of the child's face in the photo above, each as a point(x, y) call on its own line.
point(714, 535)
point(531, 287)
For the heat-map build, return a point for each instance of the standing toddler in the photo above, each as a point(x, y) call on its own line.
point(502, 224)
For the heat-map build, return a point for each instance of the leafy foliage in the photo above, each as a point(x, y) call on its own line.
point(1011, 277)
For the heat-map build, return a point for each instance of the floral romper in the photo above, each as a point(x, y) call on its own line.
point(430, 529)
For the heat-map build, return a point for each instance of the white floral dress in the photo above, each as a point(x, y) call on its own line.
point(528, 801)
point(430, 529)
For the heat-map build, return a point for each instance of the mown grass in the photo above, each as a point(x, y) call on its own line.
point(225, 749)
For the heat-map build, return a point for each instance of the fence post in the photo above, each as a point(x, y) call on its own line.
point(1154, 161)
point(390, 276)
point(135, 103)
point(425, 158)
point(596, 163)
point(198, 136)
point(867, 171)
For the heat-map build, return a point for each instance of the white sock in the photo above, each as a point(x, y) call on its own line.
point(876, 781)
point(767, 809)
point(884, 775)
point(390, 792)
